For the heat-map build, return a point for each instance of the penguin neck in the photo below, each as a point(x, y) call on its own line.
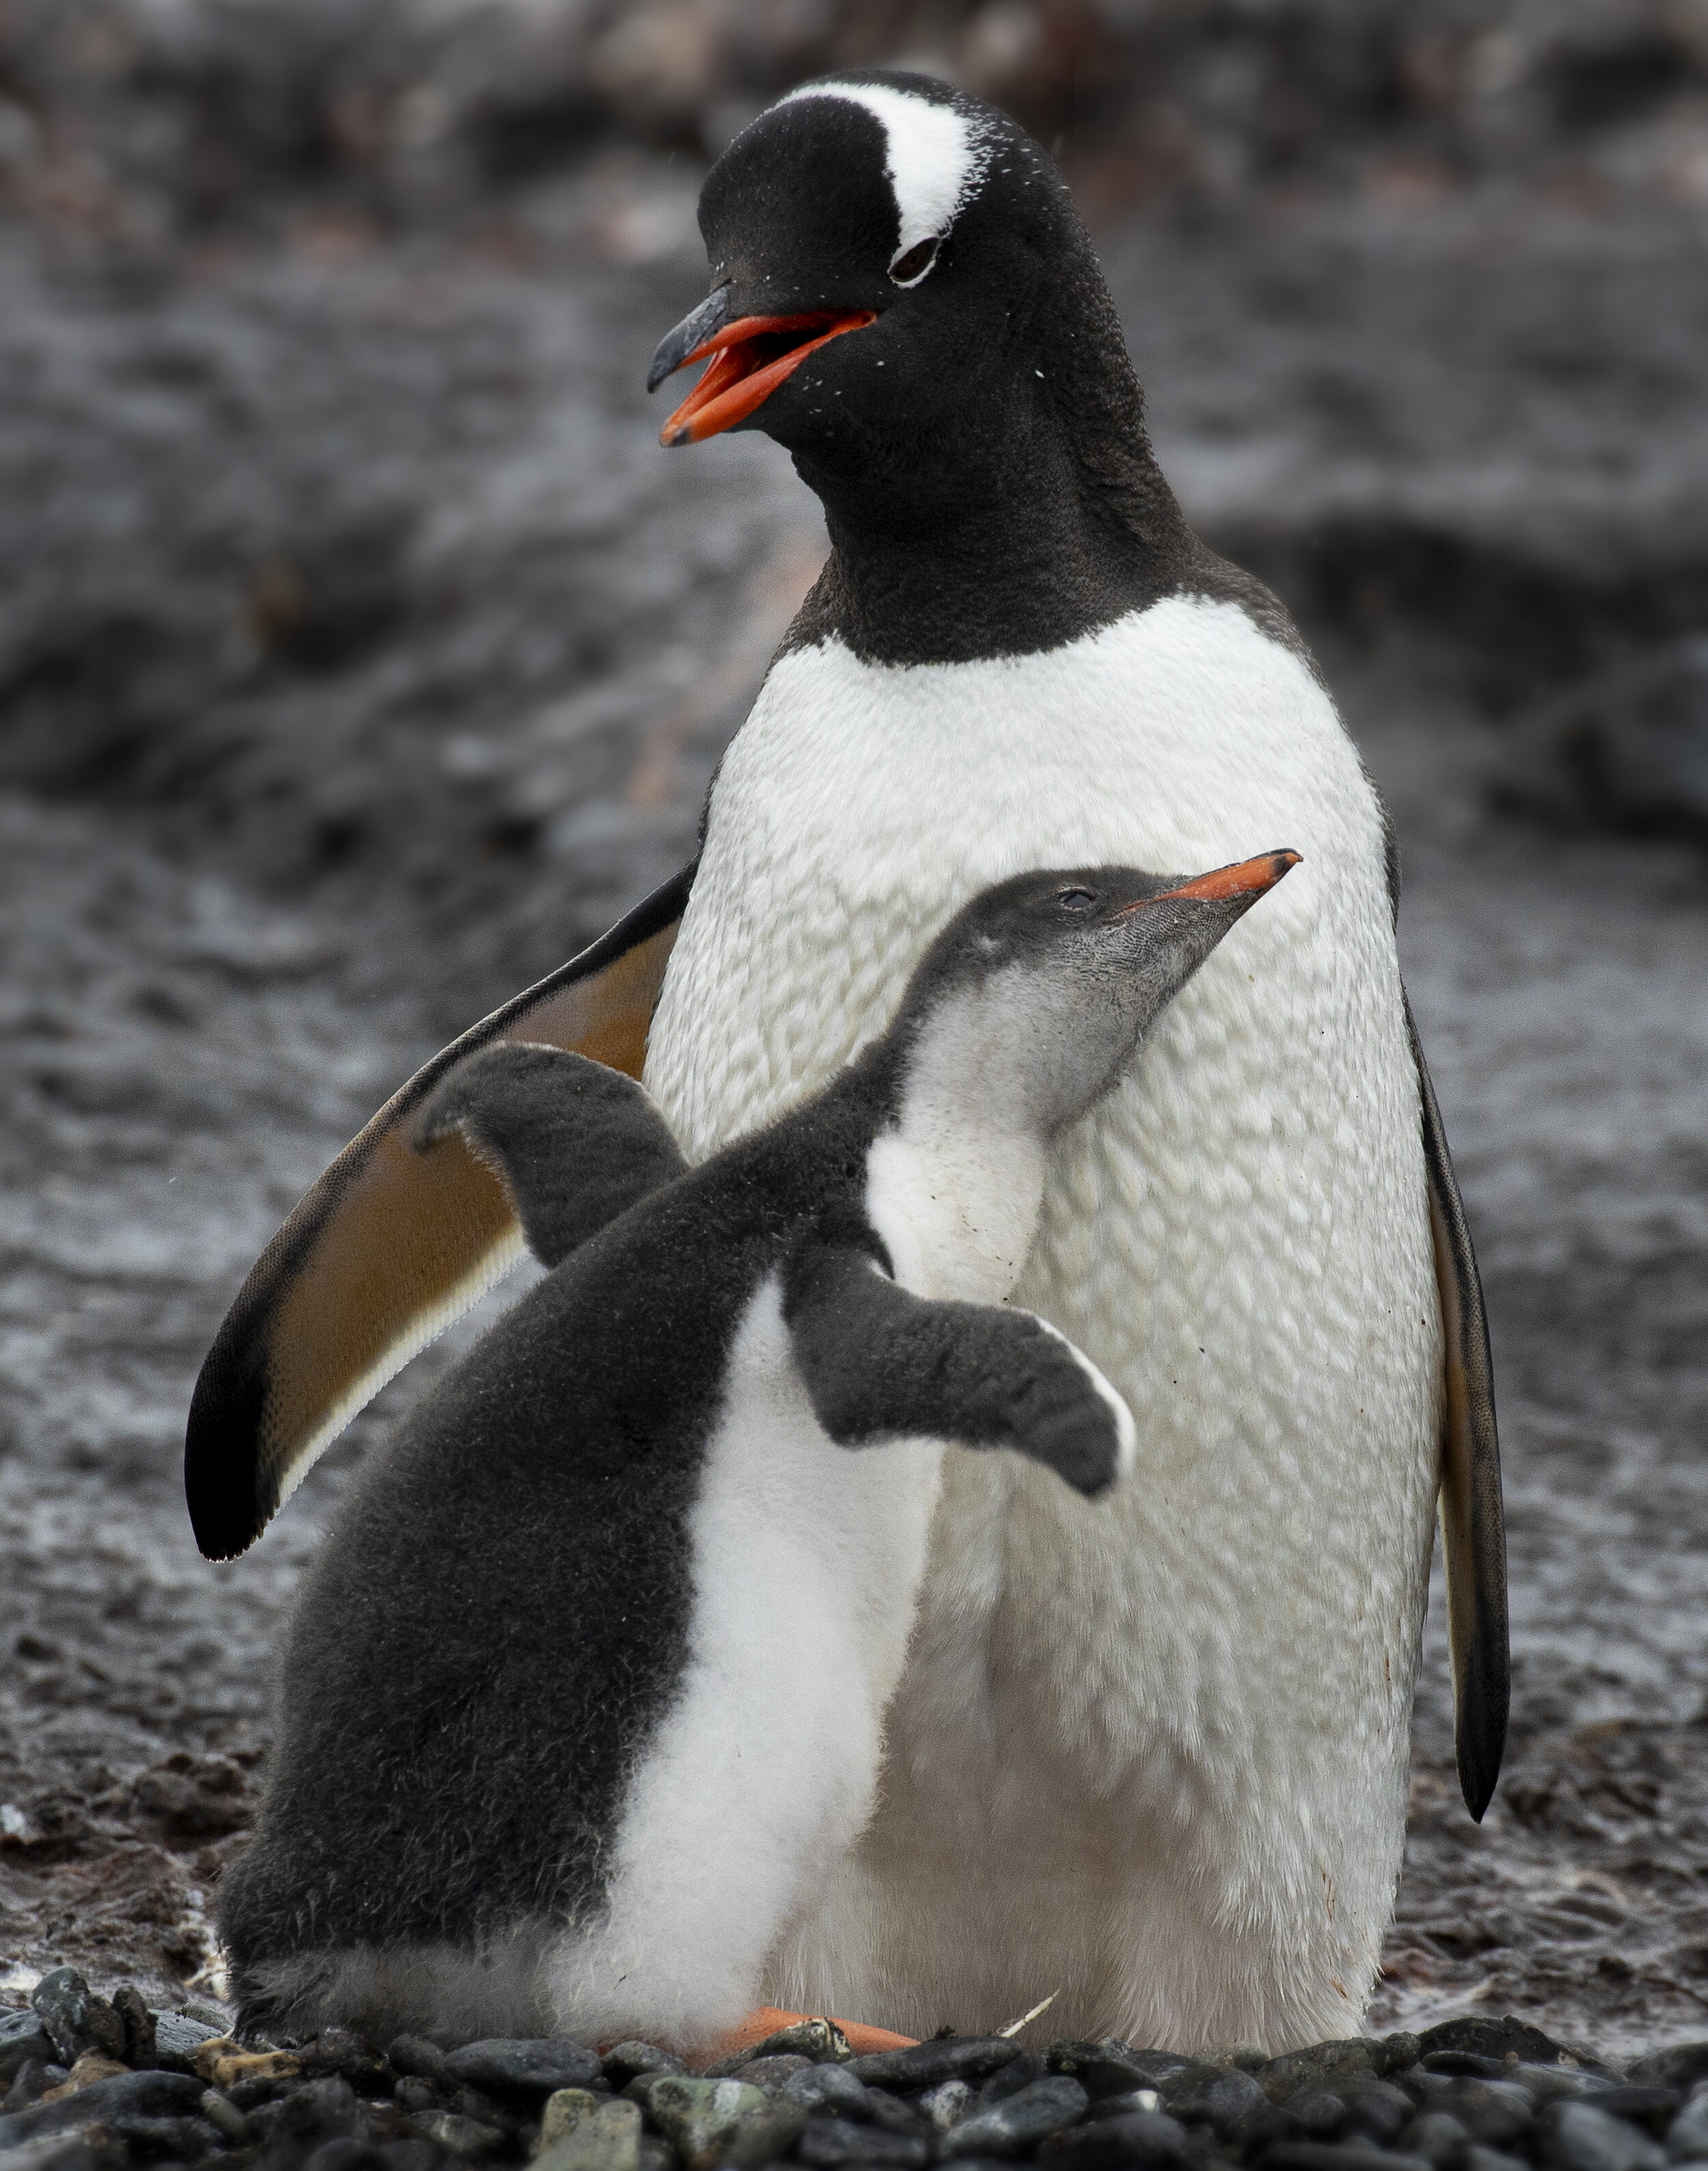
point(1039, 515)
point(954, 1177)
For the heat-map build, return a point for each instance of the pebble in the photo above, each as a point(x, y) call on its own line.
point(947, 2058)
point(607, 2137)
point(465, 2138)
point(1578, 2136)
point(1019, 2122)
point(762, 2138)
point(177, 2038)
point(1142, 2139)
point(1436, 2136)
point(1114, 2068)
point(422, 2061)
point(1687, 2137)
point(22, 2037)
point(127, 2095)
point(626, 2062)
point(947, 2102)
point(1321, 2070)
point(220, 2111)
point(563, 2112)
point(1327, 2156)
point(695, 2114)
point(833, 2088)
point(826, 2142)
point(539, 2067)
point(76, 2020)
point(1681, 2065)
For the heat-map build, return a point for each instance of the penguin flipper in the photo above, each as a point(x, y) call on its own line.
point(1472, 1519)
point(574, 1142)
point(390, 1245)
point(880, 1363)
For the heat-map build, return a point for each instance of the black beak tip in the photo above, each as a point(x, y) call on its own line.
point(661, 367)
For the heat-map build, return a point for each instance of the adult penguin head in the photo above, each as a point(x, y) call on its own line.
point(903, 295)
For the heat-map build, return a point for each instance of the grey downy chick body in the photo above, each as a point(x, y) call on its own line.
point(585, 1689)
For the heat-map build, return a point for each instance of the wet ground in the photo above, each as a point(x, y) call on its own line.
point(361, 656)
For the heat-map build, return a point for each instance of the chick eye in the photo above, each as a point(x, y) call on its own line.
point(1077, 900)
point(911, 266)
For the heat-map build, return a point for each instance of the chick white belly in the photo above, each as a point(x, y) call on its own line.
point(1150, 1750)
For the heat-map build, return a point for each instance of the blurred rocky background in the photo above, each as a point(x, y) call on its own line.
point(361, 655)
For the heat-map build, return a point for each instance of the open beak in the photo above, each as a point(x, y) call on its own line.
point(1249, 878)
point(750, 357)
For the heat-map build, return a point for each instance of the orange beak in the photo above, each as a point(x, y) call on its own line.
point(1249, 878)
point(750, 358)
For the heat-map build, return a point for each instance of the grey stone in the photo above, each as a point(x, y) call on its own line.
point(1324, 2067)
point(656, 2155)
point(1687, 2137)
point(1492, 2112)
point(182, 2139)
point(695, 2114)
point(1009, 2079)
point(606, 2138)
point(177, 2038)
point(465, 2138)
point(564, 2111)
point(771, 2071)
point(1376, 2111)
point(126, 2095)
point(1576, 2136)
point(1016, 2125)
point(764, 2137)
point(828, 2142)
point(1555, 2083)
point(1337, 2155)
point(1232, 2100)
point(417, 2095)
point(947, 2102)
point(1679, 2066)
point(1653, 2109)
point(1492, 2159)
point(22, 2037)
point(414, 2055)
point(350, 2155)
point(1436, 2136)
point(896, 2115)
point(1478, 2067)
point(832, 2089)
point(1321, 2115)
point(536, 2065)
point(945, 2058)
point(1493, 2037)
point(219, 2111)
point(75, 2018)
point(1114, 2068)
point(626, 2062)
point(1139, 2139)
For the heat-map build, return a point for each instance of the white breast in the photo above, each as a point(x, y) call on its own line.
point(1239, 1239)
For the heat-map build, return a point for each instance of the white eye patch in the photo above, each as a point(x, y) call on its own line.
point(934, 160)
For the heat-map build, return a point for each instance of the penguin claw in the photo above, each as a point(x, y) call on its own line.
point(754, 2031)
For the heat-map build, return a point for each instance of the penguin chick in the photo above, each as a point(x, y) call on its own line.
point(585, 1690)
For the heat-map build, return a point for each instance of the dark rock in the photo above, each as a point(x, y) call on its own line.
point(1491, 2037)
point(75, 2018)
point(945, 2058)
point(338, 2051)
point(186, 2139)
point(535, 2067)
point(817, 2039)
point(1464, 2063)
point(832, 2089)
point(653, 2154)
point(22, 2037)
point(1493, 2112)
point(407, 2155)
point(1191, 2081)
point(828, 2142)
point(415, 2054)
point(771, 2071)
point(1231, 2097)
point(1330, 2156)
point(138, 2024)
point(416, 2094)
point(1577, 2137)
point(345, 2155)
point(177, 2038)
point(1376, 2112)
point(1014, 2126)
point(626, 2062)
point(896, 2115)
point(1679, 2066)
point(1653, 2109)
point(1687, 2137)
point(31, 2083)
point(762, 2136)
point(97, 2149)
point(1554, 2083)
point(1114, 2068)
point(1140, 2139)
point(1492, 2159)
point(1394, 2053)
point(1324, 2067)
point(126, 2095)
point(1436, 2136)
point(1321, 2115)
point(1009, 2079)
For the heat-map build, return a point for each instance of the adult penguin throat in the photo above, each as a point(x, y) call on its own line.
point(750, 358)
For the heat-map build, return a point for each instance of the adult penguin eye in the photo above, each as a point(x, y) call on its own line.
point(1078, 900)
point(911, 266)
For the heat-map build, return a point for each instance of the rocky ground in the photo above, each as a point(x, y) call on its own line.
point(361, 656)
point(1472, 2094)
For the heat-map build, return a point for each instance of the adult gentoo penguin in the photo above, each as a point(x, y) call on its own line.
point(584, 1696)
point(1154, 1761)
